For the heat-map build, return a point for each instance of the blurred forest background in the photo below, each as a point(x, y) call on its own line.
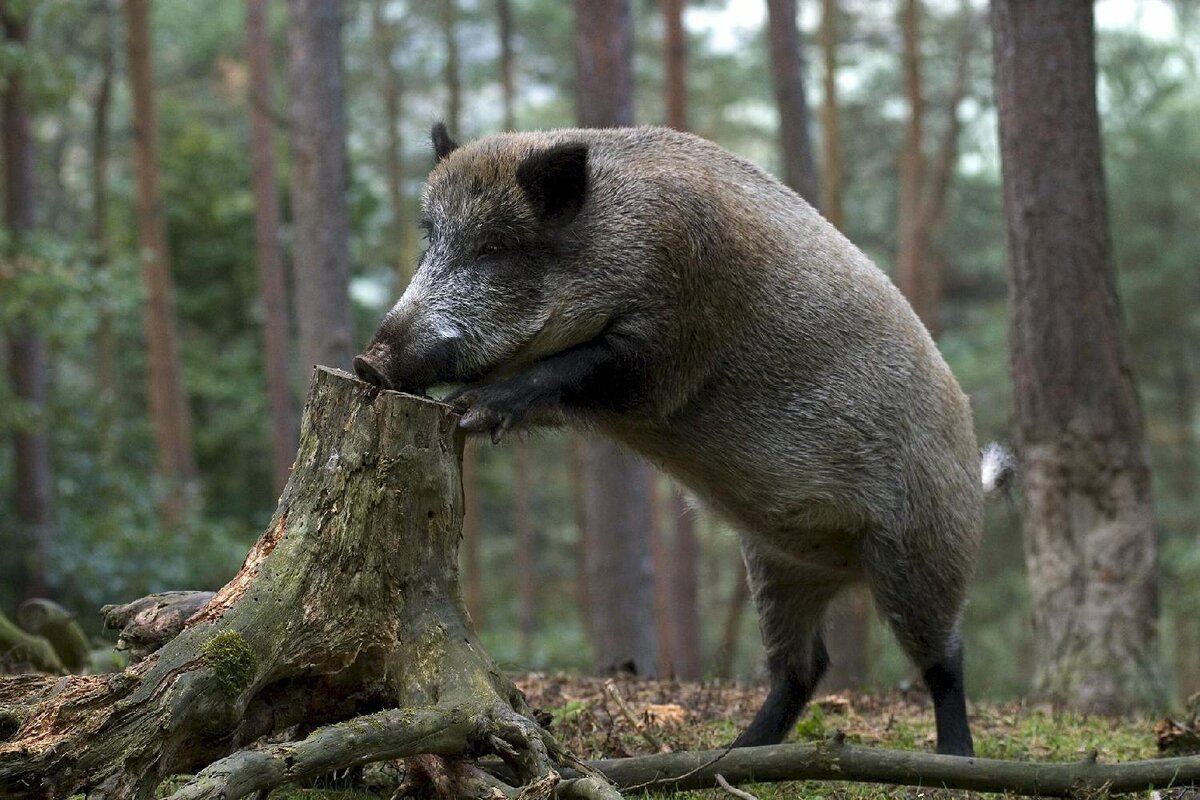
point(151, 408)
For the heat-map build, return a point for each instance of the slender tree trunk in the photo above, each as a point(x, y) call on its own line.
point(392, 89)
point(504, 17)
point(1187, 626)
point(661, 560)
point(912, 264)
point(831, 143)
point(526, 545)
point(787, 73)
point(1091, 546)
point(106, 339)
point(684, 593)
point(27, 363)
point(321, 254)
point(578, 485)
point(675, 53)
point(619, 572)
point(270, 252)
point(451, 76)
point(168, 405)
point(731, 628)
point(680, 564)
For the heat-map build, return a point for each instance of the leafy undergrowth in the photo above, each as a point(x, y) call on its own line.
point(687, 716)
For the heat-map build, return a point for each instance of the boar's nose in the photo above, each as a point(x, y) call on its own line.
point(368, 371)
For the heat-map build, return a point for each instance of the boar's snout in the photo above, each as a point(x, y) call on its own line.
point(366, 367)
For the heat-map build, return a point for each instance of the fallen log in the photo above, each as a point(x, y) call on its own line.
point(835, 760)
point(149, 622)
point(345, 614)
point(20, 650)
point(56, 625)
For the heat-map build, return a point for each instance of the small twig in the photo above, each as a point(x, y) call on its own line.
point(610, 687)
point(724, 784)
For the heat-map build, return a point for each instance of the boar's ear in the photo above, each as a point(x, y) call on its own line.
point(443, 145)
point(556, 181)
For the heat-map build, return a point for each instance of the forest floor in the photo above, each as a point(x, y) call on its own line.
point(692, 716)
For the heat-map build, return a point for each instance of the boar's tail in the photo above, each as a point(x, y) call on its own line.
point(998, 470)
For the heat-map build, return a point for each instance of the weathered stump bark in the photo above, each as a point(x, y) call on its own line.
point(347, 610)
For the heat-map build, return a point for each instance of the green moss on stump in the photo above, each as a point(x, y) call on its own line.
point(231, 660)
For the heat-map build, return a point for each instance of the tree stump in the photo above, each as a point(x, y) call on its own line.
point(345, 614)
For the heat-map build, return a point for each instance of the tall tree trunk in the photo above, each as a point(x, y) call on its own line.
point(27, 363)
point(321, 254)
point(472, 568)
point(526, 545)
point(911, 258)
point(660, 558)
point(831, 143)
point(684, 593)
point(619, 574)
point(578, 485)
point(106, 339)
point(682, 564)
point(924, 187)
point(168, 406)
point(392, 88)
point(731, 628)
point(787, 73)
point(270, 252)
point(1091, 546)
point(450, 68)
point(1187, 626)
point(675, 53)
point(504, 16)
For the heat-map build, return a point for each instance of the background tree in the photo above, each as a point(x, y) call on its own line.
point(168, 405)
point(620, 582)
point(28, 367)
point(321, 257)
point(270, 251)
point(1092, 548)
point(386, 35)
point(787, 73)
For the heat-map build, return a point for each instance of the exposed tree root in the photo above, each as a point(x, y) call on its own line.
point(345, 614)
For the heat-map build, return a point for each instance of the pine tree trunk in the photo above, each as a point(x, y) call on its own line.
point(270, 252)
point(107, 378)
point(450, 68)
point(661, 561)
point(1091, 546)
point(507, 67)
point(392, 91)
point(675, 53)
point(27, 363)
point(321, 254)
point(684, 593)
point(787, 73)
point(347, 609)
point(620, 581)
point(912, 257)
point(169, 411)
point(831, 143)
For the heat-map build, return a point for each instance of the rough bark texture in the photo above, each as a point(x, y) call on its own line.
point(27, 364)
point(787, 73)
point(270, 251)
point(348, 605)
point(620, 599)
point(1091, 547)
point(321, 256)
point(169, 411)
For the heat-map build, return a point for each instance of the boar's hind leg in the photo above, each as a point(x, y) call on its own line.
point(923, 603)
point(791, 606)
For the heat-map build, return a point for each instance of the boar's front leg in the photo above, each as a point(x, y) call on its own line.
point(602, 374)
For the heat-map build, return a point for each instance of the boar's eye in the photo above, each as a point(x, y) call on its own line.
point(491, 248)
